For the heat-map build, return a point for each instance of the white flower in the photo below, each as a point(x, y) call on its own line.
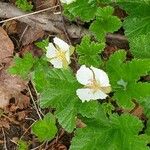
point(67, 1)
point(58, 55)
point(95, 81)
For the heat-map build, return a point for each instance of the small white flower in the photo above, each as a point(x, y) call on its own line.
point(58, 55)
point(95, 81)
point(67, 1)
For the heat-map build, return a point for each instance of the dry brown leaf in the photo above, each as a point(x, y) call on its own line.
point(138, 112)
point(57, 146)
point(32, 49)
point(80, 124)
point(11, 27)
point(19, 103)
point(22, 101)
point(31, 35)
point(6, 46)
point(109, 50)
point(42, 4)
point(4, 123)
point(10, 87)
point(21, 115)
point(1, 142)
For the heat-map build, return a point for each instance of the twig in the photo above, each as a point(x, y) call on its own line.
point(60, 135)
point(37, 98)
point(64, 25)
point(29, 14)
point(11, 120)
point(53, 23)
point(5, 141)
point(50, 22)
point(13, 141)
point(67, 35)
point(30, 119)
point(26, 130)
point(38, 146)
point(37, 21)
point(32, 98)
point(26, 28)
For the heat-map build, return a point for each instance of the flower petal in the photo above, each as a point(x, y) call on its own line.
point(87, 94)
point(101, 76)
point(67, 55)
point(84, 75)
point(67, 1)
point(51, 51)
point(61, 44)
point(57, 63)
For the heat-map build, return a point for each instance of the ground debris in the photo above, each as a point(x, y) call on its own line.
point(11, 86)
point(6, 47)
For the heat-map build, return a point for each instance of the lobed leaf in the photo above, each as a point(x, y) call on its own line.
point(125, 76)
point(89, 52)
point(22, 66)
point(140, 46)
point(137, 26)
point(115, 133)
point(45, 129)
point(105, 23)
point(84, 9)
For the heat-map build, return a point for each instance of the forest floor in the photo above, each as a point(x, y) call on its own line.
point(19, 109)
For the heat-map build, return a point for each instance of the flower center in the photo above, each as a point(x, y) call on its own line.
point(61, 55)
point(94, 85)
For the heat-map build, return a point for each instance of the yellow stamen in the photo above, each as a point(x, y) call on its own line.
point(61, 55)
point(96, 85)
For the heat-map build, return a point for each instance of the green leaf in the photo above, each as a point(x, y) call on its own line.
point(147, 131)
point(140, 46)
point(24, 5)
point(115, 133)
point(138, 21)
point(45, 129)
point(88, 109)
point(134, 7)
point(145, 103)
point(60, 93)
point(89, 52)
point(108, 108)
point(84, 9)
point(125, 76)
point(22, 66)
point(60, 83)
point(40, 75)
point(146, 106)
point(105, 23)
point(137, 26)
point(22, 145)
point(42, 44)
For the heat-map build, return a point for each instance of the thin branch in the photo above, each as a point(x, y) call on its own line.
point(36, 21)
point(64, 25)
point(22, 35)
point(38, 147)
point(26, 131)
point(32, 98)
point(5, 141)
point(29, 14)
